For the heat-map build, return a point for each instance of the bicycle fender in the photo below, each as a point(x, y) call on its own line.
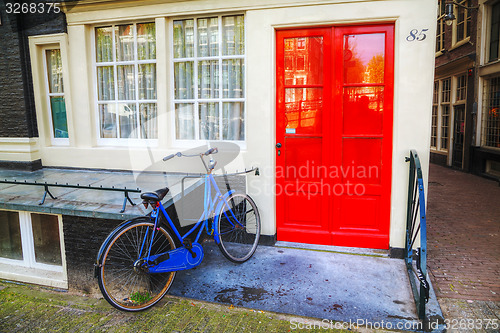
point(111, 235)
point(219, 207)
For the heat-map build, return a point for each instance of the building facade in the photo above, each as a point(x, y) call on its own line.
point(325, 97)
point(465, 129)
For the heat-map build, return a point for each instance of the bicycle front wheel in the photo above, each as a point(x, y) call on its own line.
point(123, 277)
point(238, 226)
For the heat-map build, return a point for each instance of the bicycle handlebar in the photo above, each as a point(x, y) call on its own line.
point(179, 154)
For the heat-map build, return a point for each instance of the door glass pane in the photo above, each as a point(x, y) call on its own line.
point(46, 239)
point(59, 122)
point(184, 39)
point(126, 82)
point(184, 121)
point(147, 81)
point(10, 236)
point(147, 114)
point(184, 80)
point(104, 44)
point(208, 79)
point(124, 35)
point(304, 60)
point(107, 119)
point(364, 58)
point(54, 71)
point(233, 78)
point(146, 41)
point(105, 83)
point(209, 121)
point(208, 33)
point(233, 35)
point(233, 121)
point(363, 110)
point(127, 117)
point(303, 110)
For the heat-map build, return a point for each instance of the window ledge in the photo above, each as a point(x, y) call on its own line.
point(460, 43)
point(33, 275)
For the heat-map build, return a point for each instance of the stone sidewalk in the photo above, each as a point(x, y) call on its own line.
point(463, 219)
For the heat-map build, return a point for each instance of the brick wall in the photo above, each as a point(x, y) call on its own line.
point(17, 108)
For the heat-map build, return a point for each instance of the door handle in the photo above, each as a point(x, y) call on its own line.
point(278, 145)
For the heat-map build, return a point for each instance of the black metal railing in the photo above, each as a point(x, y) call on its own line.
point(416, 248)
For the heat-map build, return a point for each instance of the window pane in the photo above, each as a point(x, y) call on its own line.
point(184, 121)
point(208, 33)
point(184, 80)
point(46, 239)
point(208, 79)
point(126, 82)
point(104, 44)
point(124, 35)
point(147, 114)
point(147, 81)
point(363, 110)
point(491, 115)
point(494, 32)
point(54, 71)
point(303, 110)
point(233, 35)
point(105, 83)
point(364, 58)
point(184, 39)
point(233, 121)
point(146, 41)
point(107, 119)
point(209, 121)
point(127, 116)
point(304, 60)
point(445, 120)
point(59, 122)
point(233, 78)
point(10, 236)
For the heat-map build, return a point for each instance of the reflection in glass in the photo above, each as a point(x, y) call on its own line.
point(127, 117)
point(303, 110)
point(184, 39)
point(126, 82)
point(147, 81)
point(148, 122)
point(59, 121)
point(364, 58)
point(233, 121)
point(233, 71)
point(208, 33)
point(209, 121)
point(10, 236)
point(105, 83)
point(54, 71)
point(46, 239)
point(184, 80)
point(107, 119)
point(124, 36)
point(104, 44)
point(146, 41)
point(208, 79)
point(184, 121)
point(303, 60)
point(363, 110)
point(233, 35)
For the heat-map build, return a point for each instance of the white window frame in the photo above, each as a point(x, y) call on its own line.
point(123, 142)
point(55, 141)
point(455, 41)
point(487, 15)
point(28, 269)
point(182, 143)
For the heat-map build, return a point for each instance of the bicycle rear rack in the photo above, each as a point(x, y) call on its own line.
point(46, 186)
point(415, 224)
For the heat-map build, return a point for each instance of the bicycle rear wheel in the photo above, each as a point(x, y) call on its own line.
point(238, 226)
point(123, 277)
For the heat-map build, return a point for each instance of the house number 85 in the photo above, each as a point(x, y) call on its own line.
point(417, 35)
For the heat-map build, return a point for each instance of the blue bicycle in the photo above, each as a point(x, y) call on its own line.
point(136, 264)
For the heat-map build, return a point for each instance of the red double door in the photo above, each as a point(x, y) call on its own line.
point(334, 135)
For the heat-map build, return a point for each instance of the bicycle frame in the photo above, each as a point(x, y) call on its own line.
point(211, 204)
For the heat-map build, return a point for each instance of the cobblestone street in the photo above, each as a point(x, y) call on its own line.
point(463, 218)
